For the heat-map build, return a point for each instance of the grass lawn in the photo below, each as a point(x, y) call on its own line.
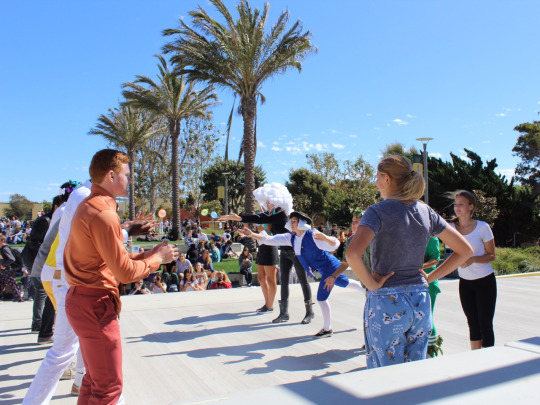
point(230, 266)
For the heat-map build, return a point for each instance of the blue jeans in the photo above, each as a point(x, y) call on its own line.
point(397, 325)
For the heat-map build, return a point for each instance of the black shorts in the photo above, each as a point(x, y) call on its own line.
point(267, 255)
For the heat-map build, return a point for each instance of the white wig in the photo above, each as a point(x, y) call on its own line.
point(276, 194)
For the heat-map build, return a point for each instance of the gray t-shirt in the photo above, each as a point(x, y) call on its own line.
point(402, 232)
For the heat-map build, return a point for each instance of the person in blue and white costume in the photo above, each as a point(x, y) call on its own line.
point(312, 248)
point(397, 314)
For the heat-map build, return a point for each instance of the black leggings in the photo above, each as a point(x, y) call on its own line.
point(478, 298)
point(286, 260)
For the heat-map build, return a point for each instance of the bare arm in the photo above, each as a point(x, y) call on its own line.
point(462, 252)
point(487, 257)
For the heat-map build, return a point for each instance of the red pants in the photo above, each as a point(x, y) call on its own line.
point(91, 313)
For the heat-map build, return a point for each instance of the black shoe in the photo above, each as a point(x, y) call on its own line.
point(264, 309)
point(35, 330)
point(323, 333)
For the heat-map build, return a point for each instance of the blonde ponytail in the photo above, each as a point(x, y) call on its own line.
point(409, 183)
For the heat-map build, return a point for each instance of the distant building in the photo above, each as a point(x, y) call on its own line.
point(33, 214)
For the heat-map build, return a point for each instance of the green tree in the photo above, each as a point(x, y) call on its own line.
point(517, 206)
point(19, 206)
point(309, 190)
point(47, 206)
point(527, 148)
point(152, 178)
point(486, 208)
point(239, 55)
point(398, 148)
point(213, 177)
point(174, 100)
point(198, 148)
point(128, 129)
point(351, 185)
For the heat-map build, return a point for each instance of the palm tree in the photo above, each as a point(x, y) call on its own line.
point(172, 98)
point(127, 129)
point(240, 56)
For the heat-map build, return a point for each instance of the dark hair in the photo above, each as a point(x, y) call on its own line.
point(58, 201)
point(105, 160)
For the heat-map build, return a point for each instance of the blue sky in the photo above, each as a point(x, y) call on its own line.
point(462, 72)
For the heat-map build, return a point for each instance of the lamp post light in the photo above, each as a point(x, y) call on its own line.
point(425, 141)
point(226, 192)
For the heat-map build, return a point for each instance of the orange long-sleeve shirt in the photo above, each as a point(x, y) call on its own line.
point(95, 255)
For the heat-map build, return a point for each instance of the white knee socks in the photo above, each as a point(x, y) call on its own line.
point(327, 314)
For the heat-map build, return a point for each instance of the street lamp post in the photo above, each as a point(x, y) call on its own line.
point(226, 192)
point(426, 192)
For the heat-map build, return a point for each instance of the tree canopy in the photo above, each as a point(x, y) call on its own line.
point(239, 55)
point(527, 148)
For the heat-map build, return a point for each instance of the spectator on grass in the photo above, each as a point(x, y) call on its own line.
point(157, 286)
point(206, 261)
point(189, 283)
point(227, 251)
point(192, 253)
point(215, 254)
point(139, 288)
point(201, 278)
point(222, 281)
point(246, 262)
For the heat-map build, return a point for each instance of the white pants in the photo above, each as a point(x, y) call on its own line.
point(59, 356)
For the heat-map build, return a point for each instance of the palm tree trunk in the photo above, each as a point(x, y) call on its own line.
point(174, 131)
point(249, 109)
point(132, 157)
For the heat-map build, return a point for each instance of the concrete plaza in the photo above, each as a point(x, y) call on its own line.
point(207, 347)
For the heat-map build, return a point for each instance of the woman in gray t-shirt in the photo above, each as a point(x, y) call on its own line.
point(397, 315)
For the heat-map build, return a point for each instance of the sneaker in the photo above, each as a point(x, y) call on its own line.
point(45, 340)
point(323, 333)
point(75, 389)
point(264, 309)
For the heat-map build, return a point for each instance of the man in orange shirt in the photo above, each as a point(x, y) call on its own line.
point(95, 262)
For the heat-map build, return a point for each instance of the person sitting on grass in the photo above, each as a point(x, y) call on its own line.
point(206, 261)
point(215, 254)
point(201, 278)
point(222, 281)
point(227, 251)
point(189, 283)
point(157, 286)
point(245, 262)
point(139, 288)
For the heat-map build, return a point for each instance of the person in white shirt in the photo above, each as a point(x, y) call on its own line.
point(477, 284)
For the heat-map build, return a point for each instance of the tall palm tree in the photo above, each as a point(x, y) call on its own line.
point(174, 99)
point(128, 129)
point(241, 56)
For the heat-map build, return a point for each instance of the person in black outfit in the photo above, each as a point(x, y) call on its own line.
point(276, 200)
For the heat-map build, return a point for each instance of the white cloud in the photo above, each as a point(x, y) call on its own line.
point(276, 149)
point(506, 172)
point(275, 143)
point(410, 116)
point(368, 114)
point(260, 144)
point(376, 129)
point(334, 131)
point(338, 146)
point(500, 115)
point(435, 155)
point(400, 122)
point(486, 141)
point(304, 147)
point(353, 136)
